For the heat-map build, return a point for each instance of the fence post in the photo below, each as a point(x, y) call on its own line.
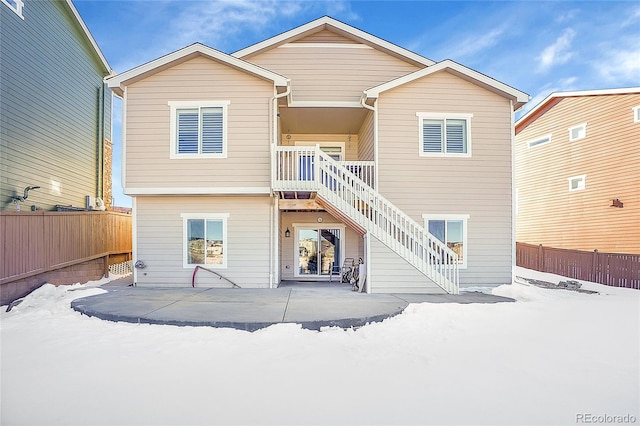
point(594, 266)
point(540, 258)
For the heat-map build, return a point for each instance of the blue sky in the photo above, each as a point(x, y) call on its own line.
point(537, 47)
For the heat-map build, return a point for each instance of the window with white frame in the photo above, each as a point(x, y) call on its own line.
point(205, 239)
point(578, 132)
point(636, 114)
point(577, 183)
point(444, 134)
point(539, 141)
point(15, 5)
point(199, 129)
point(451, 229)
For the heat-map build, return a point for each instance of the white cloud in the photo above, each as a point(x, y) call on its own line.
point(621, 67)
point(474, 43)
point(559, 52)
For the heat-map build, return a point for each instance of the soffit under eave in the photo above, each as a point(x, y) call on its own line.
point(183, 59)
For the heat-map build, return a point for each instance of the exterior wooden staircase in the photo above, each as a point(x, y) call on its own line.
point(340, 189)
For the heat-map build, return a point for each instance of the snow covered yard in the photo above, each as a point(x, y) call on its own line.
point(554, 357)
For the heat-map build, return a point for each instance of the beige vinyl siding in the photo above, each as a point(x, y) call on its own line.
point(331, 73)
point(350, 146)
point(366, 150)
point(479, 186)
point(609, 156)
point(288, 253)
point(159, 235)
point(325, 36)
point(52, 99)
point(392, 274)
point(148, 132)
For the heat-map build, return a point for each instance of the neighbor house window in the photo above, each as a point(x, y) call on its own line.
point(539, 141)
point(578, 132)
point(444, 134)
point(198, 129)
point(15, 5)
point(576, 183)
point(450, 229)
point(636, 114)
point(205, 240)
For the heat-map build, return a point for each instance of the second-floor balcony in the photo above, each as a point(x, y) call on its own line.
point(296, 168)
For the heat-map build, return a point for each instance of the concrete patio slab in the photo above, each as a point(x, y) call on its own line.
point(313, 305)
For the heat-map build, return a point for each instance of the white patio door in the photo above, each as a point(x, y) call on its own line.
point(319, 250)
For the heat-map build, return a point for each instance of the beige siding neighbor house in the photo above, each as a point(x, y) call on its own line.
point(325, 143)
point(578, 171)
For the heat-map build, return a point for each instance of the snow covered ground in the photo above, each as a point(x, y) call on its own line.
point(554, 357)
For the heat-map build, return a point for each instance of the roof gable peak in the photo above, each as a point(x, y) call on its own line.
point(330, 24)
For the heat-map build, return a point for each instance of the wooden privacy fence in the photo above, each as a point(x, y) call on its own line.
point(33, 243)
point(613, 269)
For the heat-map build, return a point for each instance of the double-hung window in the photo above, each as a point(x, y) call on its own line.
point(444, 134)
point(451, 229)
point(198, 129)
point(636, 114)
point(205, 239)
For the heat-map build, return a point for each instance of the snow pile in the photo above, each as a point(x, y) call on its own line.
point(553, 357)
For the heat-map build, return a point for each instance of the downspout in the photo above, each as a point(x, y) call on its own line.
point(513, 195)
point(367, 237)
point(273, 215)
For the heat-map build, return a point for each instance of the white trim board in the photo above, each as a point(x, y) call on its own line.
point(236, 190)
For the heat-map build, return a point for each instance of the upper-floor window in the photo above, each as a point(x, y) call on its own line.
point(636, 114)
point(451, 229)
point(539, 141)
point(577, 183)
point(578, 132)
point(198, 129)
point(444, 134)
point(15, 5)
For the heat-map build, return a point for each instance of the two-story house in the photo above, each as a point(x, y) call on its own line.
point(55, 110)
point(578, 171)
point(324, 143)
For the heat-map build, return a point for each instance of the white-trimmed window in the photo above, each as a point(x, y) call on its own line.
point(443, 134)
point(15, 5)
point(577, 183)
point(451, 229)
point(205, 239)
point(636, 114)
point(578, 132)
point(198, 129)
point(539, 141)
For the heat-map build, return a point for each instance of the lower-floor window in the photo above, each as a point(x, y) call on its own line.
point(205, 239)
point(451, 230)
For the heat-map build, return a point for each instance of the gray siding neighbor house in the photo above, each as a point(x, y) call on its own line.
point(55, 112)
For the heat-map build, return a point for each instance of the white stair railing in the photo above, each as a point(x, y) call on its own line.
point(310, 169)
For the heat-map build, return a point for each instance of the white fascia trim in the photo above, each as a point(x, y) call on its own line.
point(117, 80)
point(93, 42)
point(577, 93)
point(242, 190)
point(325, 20)
point(324, 104)
point(519, 96)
